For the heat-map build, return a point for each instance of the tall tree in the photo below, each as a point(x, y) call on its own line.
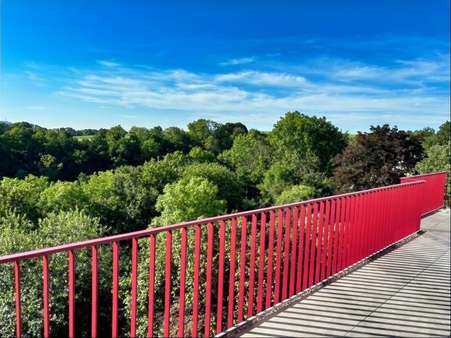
point(298, 135)
point(377, 158)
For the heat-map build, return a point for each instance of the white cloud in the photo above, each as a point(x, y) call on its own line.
point(107, 63)
point(348, 93)
point(239, 61)
point(263, 79)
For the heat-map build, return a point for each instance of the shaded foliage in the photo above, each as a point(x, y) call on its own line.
point(377, 158)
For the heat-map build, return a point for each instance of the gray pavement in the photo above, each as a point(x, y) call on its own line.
point(405, 293)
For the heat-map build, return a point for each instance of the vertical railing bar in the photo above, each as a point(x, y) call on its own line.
point(231, 304)
point(181, 324)
point(353, 227)
point(278, 255)
point(134, 287)
point(300, 249)
point(17, 295)
point(270, 256)
point(253, 248)
point(197, 243)
point(325, 240)
point(347, 233)
point(307, 247)
point(208, 279)
point(338, 209)
point(293, 251)
point(352, 231)
point(94, 291)
point(151, 294)
point(314, 232)
point(261, 264)
point(241, 289)
point(320, 242)
point(45, 295)
point(167, 285)
point(71, 293)
point(286, 254)
point(114, 327)
point(220, 277)
point(330, 244)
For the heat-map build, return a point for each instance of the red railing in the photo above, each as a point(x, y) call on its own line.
point(433, 190)
point(233, 266)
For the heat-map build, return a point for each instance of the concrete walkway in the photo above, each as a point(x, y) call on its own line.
point(405, 293)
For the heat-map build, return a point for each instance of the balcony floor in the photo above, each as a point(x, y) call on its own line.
point(405, 293)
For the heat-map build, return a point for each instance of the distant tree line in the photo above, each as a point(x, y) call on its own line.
point(62, 185)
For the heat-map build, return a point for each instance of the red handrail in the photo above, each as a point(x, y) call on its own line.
point(270, 254)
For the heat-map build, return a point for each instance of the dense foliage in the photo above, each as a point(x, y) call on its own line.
point(377, 158)
point(62, 185)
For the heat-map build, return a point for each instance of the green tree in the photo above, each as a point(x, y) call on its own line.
point(299, 135)
point(377, 158)
point(188, 198)
point(229, 185)
point(249, 156)
point(54, 229)
point(296, 193)
point(22, 196)
point(438, 158)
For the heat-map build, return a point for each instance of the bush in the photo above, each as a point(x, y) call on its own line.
point(56, 228)
point(296, 193)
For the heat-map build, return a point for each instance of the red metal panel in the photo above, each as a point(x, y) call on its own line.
point(17, 294)
point(241, 289)
point(278, 255)
point(181, 328)
point(314, 233)
point(270, 254)
point(300, 249)
point(307, 247)
point(250, 301)
point(325, 251)
point(114, 328)
point(208, 280)
point(167, 285)
point(45, 295)
point(332, 237)
point(336, 235)
point(220, 276)
point(197, 244)
point(231, 304)
point(134, 287)
point(348, 233)
point(261, 265)
point(342, 230)
point(151, 295)
point(286, 254)
point(353, 244)
point(319, 243)
point(294, 251)
point(71, 294)
point(94, 291)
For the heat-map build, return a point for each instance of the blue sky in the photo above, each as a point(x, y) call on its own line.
point(92, 64)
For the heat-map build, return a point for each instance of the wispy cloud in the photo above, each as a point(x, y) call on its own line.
point(238, 61)
point(347, 92)
point(107, 63)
